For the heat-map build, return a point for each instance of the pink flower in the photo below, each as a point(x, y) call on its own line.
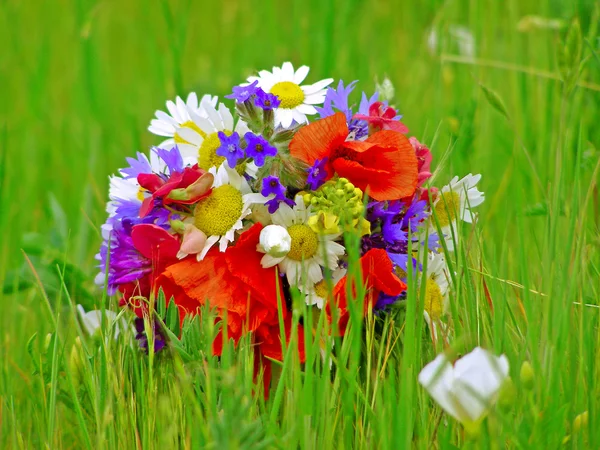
point(193, 241)
point(424, 160)
point(382, 117)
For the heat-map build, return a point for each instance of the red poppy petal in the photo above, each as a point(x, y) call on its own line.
point(317, 140)
point(154, 242)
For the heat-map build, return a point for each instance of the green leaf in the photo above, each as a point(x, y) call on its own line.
point(34, 243)
point(494, 100)
point(172, 319)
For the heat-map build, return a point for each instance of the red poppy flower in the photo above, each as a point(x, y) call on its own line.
point(381, 117)
point(235, 284)
point(377, 276)
point(185, 187)
point(384, 166)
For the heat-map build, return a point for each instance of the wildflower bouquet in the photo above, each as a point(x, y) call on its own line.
point(241, 207)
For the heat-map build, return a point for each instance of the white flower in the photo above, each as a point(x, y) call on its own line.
point(275, 241)
point(467, 389)
point(219, 215)
point(455, 201)
point(461, 36)
point(317, 293)
point(181, 115)
point(436, 294)
point(296, 101)
point(92, 320)
point(200, 139)
point(309, 251)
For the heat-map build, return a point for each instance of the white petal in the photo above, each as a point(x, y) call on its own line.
point(287, 70)
point(227, 117)
point(190, 135)
point(301, 74)
point(212, 240)
point(284, 117)
point(306, 109)
point(312, 88)
point(437, 378)
point(299, 117)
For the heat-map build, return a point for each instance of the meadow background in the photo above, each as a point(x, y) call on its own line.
point(79, 83)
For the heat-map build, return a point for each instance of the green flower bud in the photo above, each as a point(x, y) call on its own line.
point(178, 226)
point(527, 376)
point(349, 188)
point(339, 192)
point(581, 421)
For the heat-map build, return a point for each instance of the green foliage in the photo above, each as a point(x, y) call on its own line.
point(79, 82)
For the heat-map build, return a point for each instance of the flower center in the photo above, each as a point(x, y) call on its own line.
point(433, 299)
point(447, 207)
point(217, 213)
point(140, 194)
point(192, 126)
point(288, 93)
point(321, 289)
point(304, 242)
point(207, 154)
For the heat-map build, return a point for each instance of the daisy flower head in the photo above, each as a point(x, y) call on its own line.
point(181, 114)
point(318, 293)
point(309, 252)
point(437, 287)
point(219, 215)
point(204, 139)
point(455, 201)
point(296, 100)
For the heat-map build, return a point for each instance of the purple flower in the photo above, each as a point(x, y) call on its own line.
point(266, 101)
point(384, 300)
point(271, 185)
point(125, 263)
point(242, 93)
point(317, 174)
point(338, 99)
point(230, 148)
point(258, 148)
point(136, 166)
point(172, 158)
point(142, 337)
point(273, 204)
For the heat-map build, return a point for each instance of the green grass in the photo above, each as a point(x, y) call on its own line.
point(79, 82)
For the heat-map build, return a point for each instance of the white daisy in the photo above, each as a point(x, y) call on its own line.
point(296, 101)
point(181, 114)
point(437, 287)
point(317, 293)
point(309, 252)
point(201, 140)
point(220, 214)
point(454, 201)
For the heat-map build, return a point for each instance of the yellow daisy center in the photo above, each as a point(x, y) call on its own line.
point(140, 194)
point(217, 213)
point(304, 242)
point(433, 299)
point(192, 126)
point(447, 207)
point(321, 289)
point(207, 154)
point(290, 95)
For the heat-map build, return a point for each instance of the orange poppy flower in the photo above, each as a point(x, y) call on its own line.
point(377, 276)
point(385, 165)
point(235, 284)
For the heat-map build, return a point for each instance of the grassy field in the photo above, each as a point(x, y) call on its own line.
point(79, 82)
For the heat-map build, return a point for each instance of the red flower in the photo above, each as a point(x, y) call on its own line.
point(160, 248)
point(184, 188)
point(381, 117)
point(235, 283)
point(384, 166)
point(377, 276)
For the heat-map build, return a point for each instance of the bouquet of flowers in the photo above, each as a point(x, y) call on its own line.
point(245, 206)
